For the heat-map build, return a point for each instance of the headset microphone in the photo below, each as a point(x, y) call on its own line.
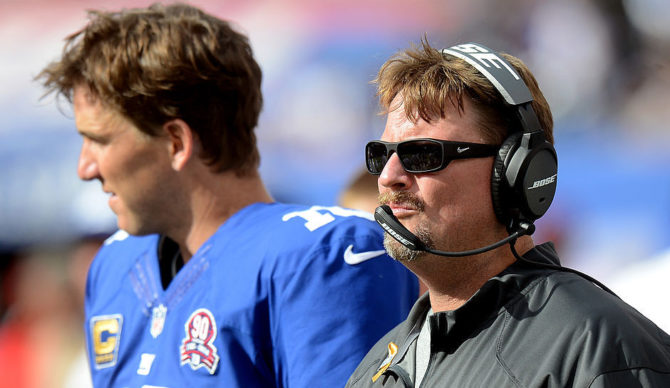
point(384, 217)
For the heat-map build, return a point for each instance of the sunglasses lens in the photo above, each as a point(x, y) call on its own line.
point(420, 156)
point(375, 157)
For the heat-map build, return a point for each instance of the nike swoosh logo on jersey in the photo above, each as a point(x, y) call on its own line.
point(352, 258)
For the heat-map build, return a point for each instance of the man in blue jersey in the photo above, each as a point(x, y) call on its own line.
point(209, 282)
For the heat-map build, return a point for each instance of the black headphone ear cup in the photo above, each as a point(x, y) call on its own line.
point(500, 189)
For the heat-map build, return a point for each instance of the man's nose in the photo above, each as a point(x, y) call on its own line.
point(394, 175)
point(87, 167)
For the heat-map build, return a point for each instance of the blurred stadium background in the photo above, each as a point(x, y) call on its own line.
point(603, 65)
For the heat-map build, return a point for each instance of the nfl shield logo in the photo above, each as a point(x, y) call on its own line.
point(158, 320)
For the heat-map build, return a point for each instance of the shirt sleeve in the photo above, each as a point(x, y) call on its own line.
point(327, 314)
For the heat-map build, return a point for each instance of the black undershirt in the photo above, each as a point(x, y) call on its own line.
point(169, 260)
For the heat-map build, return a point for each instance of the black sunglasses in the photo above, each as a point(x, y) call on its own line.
point(423, 155)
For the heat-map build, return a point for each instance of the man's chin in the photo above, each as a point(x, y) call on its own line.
point(132, 228)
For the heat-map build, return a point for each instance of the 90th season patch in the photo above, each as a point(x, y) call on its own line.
point(106, 333)
point(197, 349)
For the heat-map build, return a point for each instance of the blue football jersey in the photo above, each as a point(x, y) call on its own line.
point(280, 296)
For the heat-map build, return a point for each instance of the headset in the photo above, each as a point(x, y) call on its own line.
point(523, 182)
point(524, 176)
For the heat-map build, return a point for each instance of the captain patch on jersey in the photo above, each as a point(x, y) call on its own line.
point(106, 333)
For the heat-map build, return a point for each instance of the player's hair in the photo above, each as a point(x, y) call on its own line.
point(426, 79)
point(166, 62)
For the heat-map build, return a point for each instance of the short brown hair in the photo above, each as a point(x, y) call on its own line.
point(427, 79)
point(166, 62)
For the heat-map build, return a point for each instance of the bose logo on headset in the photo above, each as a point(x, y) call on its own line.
point(395, 234)
point(543, 182)
point(491, 65)
point(484, 56)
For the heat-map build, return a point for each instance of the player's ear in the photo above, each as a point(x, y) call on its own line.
point(181, 141)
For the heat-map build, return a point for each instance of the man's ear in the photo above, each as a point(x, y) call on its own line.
point(182, 142)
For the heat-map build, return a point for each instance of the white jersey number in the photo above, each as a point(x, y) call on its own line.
point(318, 216)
